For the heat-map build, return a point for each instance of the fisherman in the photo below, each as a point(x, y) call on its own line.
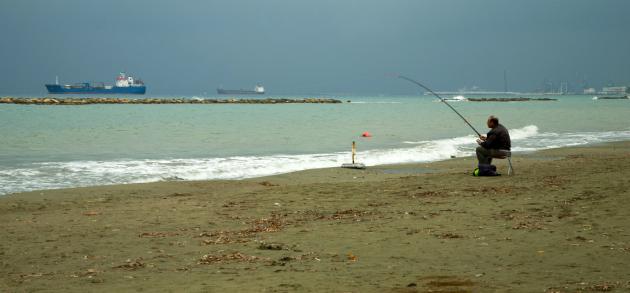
point(496, 144)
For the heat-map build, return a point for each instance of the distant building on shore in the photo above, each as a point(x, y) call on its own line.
point(615, 90)
point(590, 91)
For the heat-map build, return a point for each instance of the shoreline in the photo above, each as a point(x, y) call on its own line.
point(558, 225)
point(391, 168)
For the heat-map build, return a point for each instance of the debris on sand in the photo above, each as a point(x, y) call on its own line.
point(271, 224)
point(268, 184)
point(270, 246)
point(130, 265)
point(448, 236)
point(208, 259)
point(303, 257)
point(224, 237)
point(178, 194)
point(157, 234)
point(350, 214)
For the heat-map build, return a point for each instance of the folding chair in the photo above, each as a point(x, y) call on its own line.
point(508, 156)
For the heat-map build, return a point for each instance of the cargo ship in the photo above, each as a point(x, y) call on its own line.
point(258, 90)
point(125, 84)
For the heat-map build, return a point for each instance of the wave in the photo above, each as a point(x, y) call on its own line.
point(515, 134)
point(523, 133)
point(52, 175)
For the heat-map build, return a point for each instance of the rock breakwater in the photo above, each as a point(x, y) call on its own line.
point(612, 98)
point(92, 101)
point(520, 99)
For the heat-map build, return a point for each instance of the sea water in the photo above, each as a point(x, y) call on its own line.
point(44, 146)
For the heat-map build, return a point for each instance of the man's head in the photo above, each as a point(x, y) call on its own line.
point(493, 122)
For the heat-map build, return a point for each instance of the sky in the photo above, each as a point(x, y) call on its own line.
point(313, 47)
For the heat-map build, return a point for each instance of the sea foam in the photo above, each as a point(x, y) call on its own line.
point(51, 175)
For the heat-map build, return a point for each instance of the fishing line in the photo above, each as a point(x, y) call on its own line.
point(441, 99)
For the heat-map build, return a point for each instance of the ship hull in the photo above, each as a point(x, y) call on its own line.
point(58, 89)
point(238, 92)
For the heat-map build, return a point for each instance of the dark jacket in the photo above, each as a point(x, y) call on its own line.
point(498, 138)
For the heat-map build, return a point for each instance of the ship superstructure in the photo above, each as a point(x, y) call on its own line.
point(258, 90)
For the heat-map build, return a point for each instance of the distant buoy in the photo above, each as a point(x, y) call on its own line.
point(366, 134)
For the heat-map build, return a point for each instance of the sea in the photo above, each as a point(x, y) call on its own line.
point(48, 147)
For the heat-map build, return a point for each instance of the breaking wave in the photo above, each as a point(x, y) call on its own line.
point(51, 175)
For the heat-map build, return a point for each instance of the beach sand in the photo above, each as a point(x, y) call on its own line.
point(560, 224)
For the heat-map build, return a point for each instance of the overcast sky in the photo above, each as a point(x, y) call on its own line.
point(292, 46)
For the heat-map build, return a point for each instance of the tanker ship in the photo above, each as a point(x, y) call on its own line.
point(125, 84)
point(258, 90)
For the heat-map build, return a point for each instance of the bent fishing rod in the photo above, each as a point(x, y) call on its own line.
point(441, 99)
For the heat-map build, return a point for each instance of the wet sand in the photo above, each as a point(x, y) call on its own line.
point(560, 224)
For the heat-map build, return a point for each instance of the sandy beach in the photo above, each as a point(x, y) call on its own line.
point(560, 224)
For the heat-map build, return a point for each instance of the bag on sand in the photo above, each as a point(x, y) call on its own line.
point(486, 170)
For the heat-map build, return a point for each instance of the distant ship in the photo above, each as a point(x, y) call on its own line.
point(125, 84)
point(258, 90)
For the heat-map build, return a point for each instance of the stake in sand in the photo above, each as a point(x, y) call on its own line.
point(353, 165)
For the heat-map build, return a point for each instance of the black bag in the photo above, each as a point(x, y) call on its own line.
point(486, 170)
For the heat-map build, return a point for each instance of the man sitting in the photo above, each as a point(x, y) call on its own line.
point(496, 144)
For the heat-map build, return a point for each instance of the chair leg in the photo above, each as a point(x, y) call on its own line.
point(510, 170)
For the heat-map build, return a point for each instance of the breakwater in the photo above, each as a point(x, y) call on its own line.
point(509, 99)
point(92, 101)
point(612, 98)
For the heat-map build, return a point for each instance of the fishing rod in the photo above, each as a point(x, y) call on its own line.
point(441, 99)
